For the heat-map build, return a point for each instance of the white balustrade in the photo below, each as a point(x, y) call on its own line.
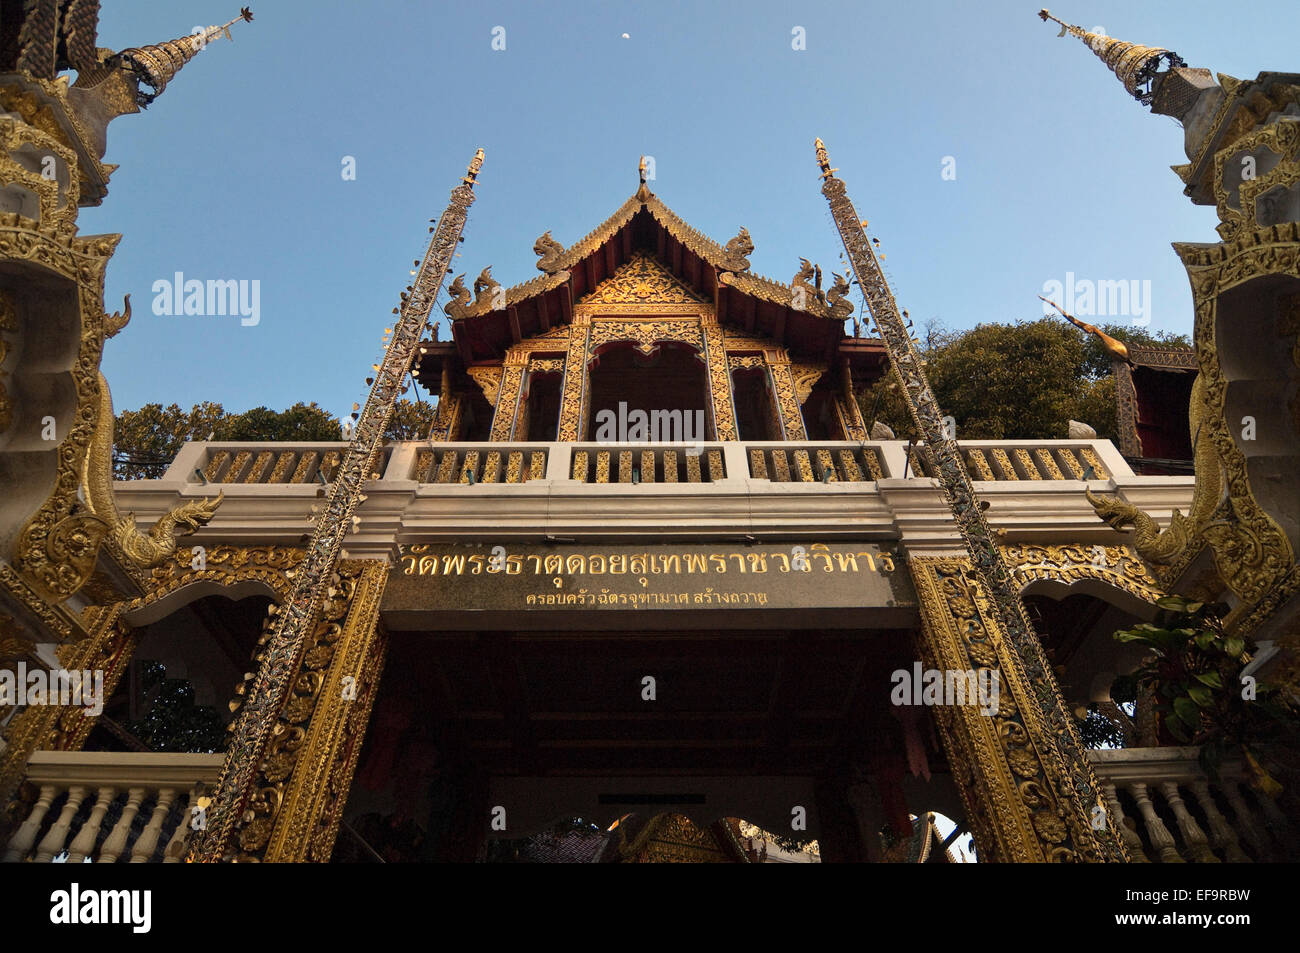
point(1153, 780)
point(158, 783)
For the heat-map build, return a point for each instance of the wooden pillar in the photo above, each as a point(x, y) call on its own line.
point(1003, 762)
point(574, 390)
point(787, 403)
point(719, 371)
point(847, 409)
point(509, 405)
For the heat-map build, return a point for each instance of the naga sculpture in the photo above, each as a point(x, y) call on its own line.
point(837, 300)
point(485, 290)
point(548, 251)
point(460, 299)
point(738, 251)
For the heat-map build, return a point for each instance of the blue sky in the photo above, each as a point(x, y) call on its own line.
point(235, 172)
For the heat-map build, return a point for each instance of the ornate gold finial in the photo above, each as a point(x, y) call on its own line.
point(643, 190)
point(823, 159)
point(475, 164)
point(1114, 348)
point(1138, 67)
point(155, 66)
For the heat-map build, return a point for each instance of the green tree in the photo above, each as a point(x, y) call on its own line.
point(145, 441)
point(411, 420)
point(1022, 381)
point(300, 423)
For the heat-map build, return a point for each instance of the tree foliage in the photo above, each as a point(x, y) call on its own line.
point(145, 441)
point(1014, 381)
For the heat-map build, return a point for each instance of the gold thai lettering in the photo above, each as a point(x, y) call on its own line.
point(617, 563)
point(757, 562)
point(822, 551)
point(739, 558)
point(592, 564)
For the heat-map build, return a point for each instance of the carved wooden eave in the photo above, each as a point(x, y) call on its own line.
point(485, 328)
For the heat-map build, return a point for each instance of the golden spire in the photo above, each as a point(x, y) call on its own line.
point(1138, 67)
point(1114, 348)
point(823, 159)
point(155, 66)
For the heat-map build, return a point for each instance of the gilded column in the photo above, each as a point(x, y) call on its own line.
point(1003, 762)
point(787, 401)
point(504, 421)
point(715, 355)
point(304, 782)
point(573, 393)
point(848, 411)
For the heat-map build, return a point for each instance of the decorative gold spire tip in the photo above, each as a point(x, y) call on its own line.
point(823, 159)
point(475, 164)
point(1139, 68)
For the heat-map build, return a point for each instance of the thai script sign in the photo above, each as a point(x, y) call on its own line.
point(641, 576)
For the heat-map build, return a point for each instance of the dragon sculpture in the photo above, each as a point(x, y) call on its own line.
point(485, 290)
point(1153, 545)
point(143, 550)
point(810, 291)
point(549, 252)
point(737, 252)
point(459, 304)
point(116, 321)
point(837, 300)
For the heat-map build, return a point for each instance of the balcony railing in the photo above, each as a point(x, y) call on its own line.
point(1004, 461)
point(1171, 812)
point(108, 807)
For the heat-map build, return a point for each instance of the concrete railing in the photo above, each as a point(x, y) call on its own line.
point(110, 807)
point(1172, 812)
point(832, 461)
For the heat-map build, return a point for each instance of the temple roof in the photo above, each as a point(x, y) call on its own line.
point(495, 318)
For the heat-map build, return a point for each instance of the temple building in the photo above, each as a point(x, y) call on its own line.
point(649, 569)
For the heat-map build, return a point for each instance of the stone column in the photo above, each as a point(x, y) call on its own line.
point(1004, 762)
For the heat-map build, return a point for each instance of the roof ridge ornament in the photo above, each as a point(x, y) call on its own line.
point(643, 192)
point(1139, 68)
